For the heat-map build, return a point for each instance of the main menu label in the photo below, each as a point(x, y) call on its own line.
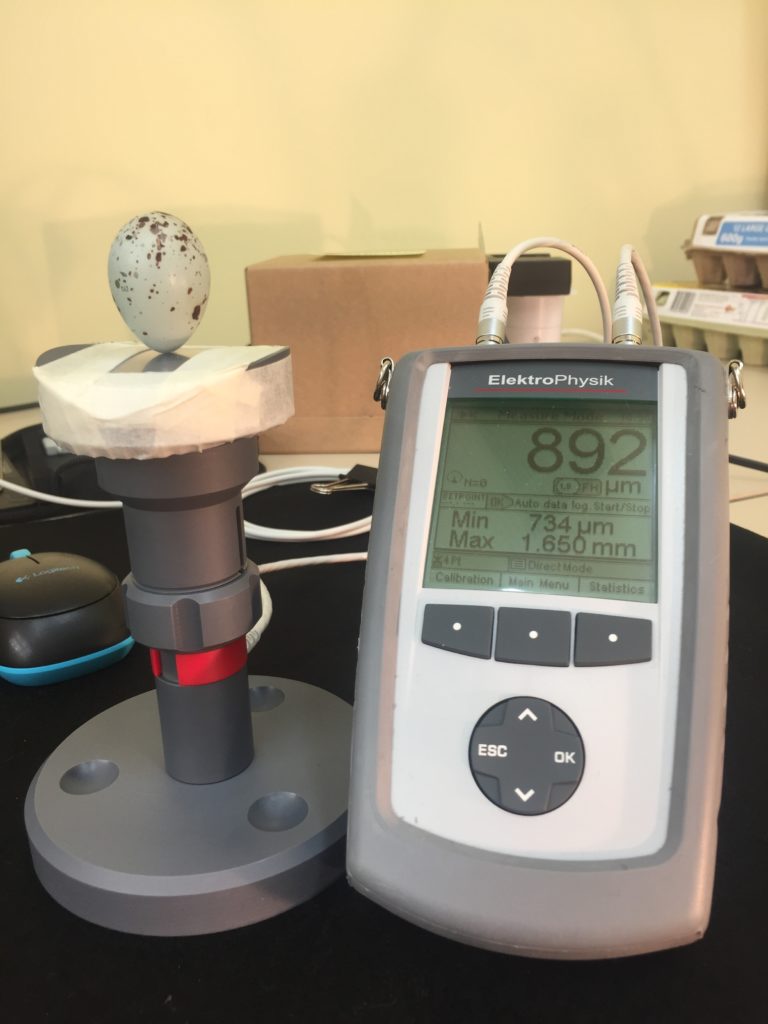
point(546, 495)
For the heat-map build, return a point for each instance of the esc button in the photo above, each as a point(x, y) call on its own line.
point(526, 756)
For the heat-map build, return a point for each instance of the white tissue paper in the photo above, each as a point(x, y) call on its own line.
point(119, 400)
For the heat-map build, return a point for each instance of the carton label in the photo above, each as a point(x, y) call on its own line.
point(749, 234)
point(722, 307)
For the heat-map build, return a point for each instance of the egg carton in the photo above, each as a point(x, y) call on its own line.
point(730, 325)
point(730, 249)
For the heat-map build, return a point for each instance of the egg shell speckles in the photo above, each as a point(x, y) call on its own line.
point(159, 279)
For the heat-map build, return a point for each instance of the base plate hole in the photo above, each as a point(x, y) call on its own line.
point(265, 698)
point(89, 777)
point(277, 812)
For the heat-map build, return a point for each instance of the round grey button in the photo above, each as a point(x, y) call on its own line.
point(526, 755)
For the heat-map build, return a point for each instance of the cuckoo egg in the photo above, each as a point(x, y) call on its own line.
point(159, 278)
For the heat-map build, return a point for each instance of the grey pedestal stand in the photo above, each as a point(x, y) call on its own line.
point(119, 842)
point(216, 801)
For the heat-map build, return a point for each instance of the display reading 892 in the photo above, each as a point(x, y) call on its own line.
point(547, 482)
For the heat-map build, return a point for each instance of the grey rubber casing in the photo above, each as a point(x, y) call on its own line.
point(522, 905)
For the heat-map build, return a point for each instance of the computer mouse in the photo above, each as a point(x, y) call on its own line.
point(61, 616)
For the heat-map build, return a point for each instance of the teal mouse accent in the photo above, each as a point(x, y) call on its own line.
point(43, 675)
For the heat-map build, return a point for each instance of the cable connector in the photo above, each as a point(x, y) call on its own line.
point(627, 324)
point(492, 322)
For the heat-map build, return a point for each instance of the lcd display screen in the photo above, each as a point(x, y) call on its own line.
point(546, 496)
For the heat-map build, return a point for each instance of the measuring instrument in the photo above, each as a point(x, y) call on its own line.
point(538, 739)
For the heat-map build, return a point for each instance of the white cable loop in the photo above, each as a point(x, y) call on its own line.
point(298, 563)
point(650, 303)
point(255, 634)
point(275, 478)
point(493, 312)
point(294, 475)
point(256, 631)
point(56, 499)
point(290, 475)
point(267, 533)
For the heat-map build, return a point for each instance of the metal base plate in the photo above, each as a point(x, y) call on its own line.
point(120, 843)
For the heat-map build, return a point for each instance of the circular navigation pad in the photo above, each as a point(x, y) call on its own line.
point(526, 755)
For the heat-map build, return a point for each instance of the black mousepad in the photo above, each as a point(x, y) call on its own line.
point(340, 957)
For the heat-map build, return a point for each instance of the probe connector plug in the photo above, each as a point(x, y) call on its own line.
point(627, 322)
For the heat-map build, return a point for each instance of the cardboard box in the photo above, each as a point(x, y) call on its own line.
point(341, 315)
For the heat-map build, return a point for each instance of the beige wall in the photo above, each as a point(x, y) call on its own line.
point(278, 126)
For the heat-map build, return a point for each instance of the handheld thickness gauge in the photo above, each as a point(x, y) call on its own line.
point(540, 703)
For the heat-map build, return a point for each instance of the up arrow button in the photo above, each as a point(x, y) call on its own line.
point(526, 755)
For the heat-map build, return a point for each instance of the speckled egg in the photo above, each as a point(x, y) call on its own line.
point(159, 278)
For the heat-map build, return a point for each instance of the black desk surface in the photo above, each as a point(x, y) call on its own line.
point(340, 957)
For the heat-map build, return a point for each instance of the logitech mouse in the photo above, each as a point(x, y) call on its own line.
point(61, 616)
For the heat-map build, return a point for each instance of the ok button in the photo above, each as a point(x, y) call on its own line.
point(526, 755)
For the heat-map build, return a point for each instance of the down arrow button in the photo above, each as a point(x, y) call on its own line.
point(526, 756)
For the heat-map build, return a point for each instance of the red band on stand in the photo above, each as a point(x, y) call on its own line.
point(154, 660)
point(211, 666)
